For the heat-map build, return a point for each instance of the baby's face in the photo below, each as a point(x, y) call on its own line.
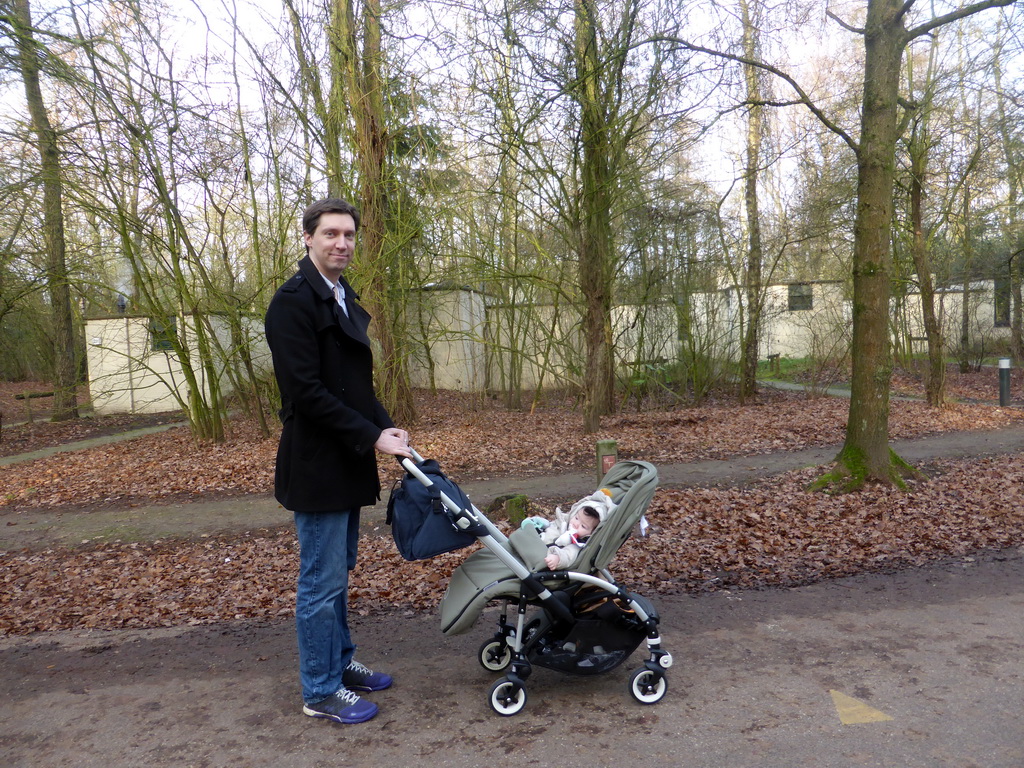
point(582, 525)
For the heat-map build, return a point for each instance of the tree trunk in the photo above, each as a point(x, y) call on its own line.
point(755, 125)
point(334, 111)
point(935, 378)
point(866, 454)
point(65, 373)
point(964, 356)
point(364, 87)
point(595, 231)
point(1016, 268)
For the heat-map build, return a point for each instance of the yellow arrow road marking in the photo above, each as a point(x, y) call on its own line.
point(851, 711)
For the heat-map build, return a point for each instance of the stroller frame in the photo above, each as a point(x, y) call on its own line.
point(517, 646)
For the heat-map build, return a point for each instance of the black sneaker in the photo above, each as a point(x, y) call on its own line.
point(344, 706)
point(359, 677)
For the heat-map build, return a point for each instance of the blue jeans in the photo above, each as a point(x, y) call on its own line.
point(328, 542)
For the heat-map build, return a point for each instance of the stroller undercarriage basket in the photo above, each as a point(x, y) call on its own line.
point(604, 634)
point(578, 621)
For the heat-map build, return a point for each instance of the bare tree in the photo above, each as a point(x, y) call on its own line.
point(17, 16)
point(754, 133)
point(866, 454)
point(362, 76)
point(920, 144)
point(1013, 159)
point(595, 226)
point(935, 378)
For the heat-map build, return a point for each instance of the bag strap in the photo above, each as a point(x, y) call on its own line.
point(432, 469)
point(389, 516)
point(435, 499)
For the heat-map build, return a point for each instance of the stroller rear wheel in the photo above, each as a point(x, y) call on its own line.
point(495, 655)
point(507, 698)
point(648, 687)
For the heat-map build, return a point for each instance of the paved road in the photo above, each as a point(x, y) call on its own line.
point(921, 669)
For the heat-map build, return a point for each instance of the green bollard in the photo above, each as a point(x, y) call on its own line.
point(607, 456)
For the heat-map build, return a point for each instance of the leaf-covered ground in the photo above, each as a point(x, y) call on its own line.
point(472, 440)
point(773, 533)
point(769, 534)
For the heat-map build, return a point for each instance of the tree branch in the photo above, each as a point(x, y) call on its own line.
point(804, 98)
point(844, 25)
point(907, 5)
point(956, 15)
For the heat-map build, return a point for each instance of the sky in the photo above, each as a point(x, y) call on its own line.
point(811, 48)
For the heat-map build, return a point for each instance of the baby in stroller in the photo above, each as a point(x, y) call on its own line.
point(571, 614)
point(567, 534)
point(574, 618)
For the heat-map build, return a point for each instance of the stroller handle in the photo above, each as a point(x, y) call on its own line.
point(411, 466)
point(472, 515)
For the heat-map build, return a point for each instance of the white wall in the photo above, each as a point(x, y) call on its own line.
point(449, 326)
point(126, 375)
point(822, 331)
point(949, 304)
point(475, 346)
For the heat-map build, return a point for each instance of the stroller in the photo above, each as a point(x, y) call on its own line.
point(578, 621)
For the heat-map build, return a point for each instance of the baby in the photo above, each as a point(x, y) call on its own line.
point(568, 532)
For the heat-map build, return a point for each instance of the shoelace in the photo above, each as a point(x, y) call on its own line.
point(347, 696)
point(359, 668)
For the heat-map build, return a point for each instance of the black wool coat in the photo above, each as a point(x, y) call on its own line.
point(330, 414)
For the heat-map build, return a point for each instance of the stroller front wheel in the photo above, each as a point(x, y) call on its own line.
point(495, 655)
point(648, 687)
point(507, 698)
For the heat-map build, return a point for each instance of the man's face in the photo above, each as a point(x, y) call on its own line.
point(332, 244)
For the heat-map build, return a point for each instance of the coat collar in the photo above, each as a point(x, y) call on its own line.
point(353, 326)
point(320, 287)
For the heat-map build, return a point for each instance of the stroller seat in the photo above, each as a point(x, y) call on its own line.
point(483, 577)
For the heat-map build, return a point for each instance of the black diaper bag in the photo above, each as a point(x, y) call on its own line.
point(421, 524)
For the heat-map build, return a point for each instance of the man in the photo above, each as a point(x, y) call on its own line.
point(326, 460)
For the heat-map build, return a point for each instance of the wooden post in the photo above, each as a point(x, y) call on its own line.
point(607, 457)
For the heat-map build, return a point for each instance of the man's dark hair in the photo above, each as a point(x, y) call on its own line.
point(311, 218)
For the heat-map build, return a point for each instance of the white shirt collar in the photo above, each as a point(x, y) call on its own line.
point(340, 294)
point(332, 286)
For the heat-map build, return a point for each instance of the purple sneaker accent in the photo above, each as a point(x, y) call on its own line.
point(343, 707)
point(359, 677)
